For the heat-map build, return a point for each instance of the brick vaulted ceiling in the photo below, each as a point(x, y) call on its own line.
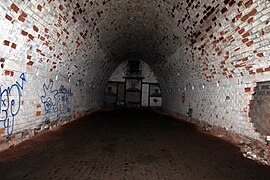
point(181, 40)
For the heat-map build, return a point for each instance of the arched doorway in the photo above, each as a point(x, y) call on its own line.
point(133, 85)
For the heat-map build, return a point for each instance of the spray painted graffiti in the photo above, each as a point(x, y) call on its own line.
point(56, 101)
point(10, 103)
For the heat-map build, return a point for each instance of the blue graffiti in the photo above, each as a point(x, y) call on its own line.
point(56, 100)
point(10, 103)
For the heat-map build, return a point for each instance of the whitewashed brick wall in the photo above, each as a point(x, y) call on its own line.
point(222, 46)
point(33, 45)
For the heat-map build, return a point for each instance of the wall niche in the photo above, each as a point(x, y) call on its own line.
point(260, 108)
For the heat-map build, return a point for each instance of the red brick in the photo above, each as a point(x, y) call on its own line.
point(9, 73)
point(41, 38)
point(30, 63)
point(245, 40)
point(13, 46)
point(252, 72)
point(237, 49)
point(38, 113)
point(260, 54)
point(238, 16)
point(24, 14)
point(267, 69)
point(224, 10)
point(248, 89)
point(24, 33)
point(248, 67)
point(61, 7)
point(252, 13)
point(31, 36)
point(35, 28)
point(14, 7)
point(240, 3)
point(250, 20)
point(29, 57)
point(241, 31)
point(8, 17)
point(243, 59)
point(39, 7)
point(249, 3)
point(246, 34)
point(21, 17)
point(6, 42)
point(239, 65)
point(260, 70)
point(244, 18)
point(249, 43)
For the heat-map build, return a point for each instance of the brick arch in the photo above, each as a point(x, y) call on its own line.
point(212, 50)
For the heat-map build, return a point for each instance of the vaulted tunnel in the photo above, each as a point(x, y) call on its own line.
point(208, 56)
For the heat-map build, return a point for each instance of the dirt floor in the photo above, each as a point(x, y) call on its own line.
point(127, 144)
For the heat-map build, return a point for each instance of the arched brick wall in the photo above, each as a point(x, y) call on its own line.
point(214, 51)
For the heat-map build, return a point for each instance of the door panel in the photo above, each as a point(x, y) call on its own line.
point(145, 95)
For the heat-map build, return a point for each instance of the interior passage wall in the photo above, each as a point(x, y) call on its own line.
point(228, 56)
point(34, 93)
point(32, 100)
point(225, 105)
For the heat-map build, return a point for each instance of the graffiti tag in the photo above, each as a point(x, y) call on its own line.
point(56, 100)
point(10, 103)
